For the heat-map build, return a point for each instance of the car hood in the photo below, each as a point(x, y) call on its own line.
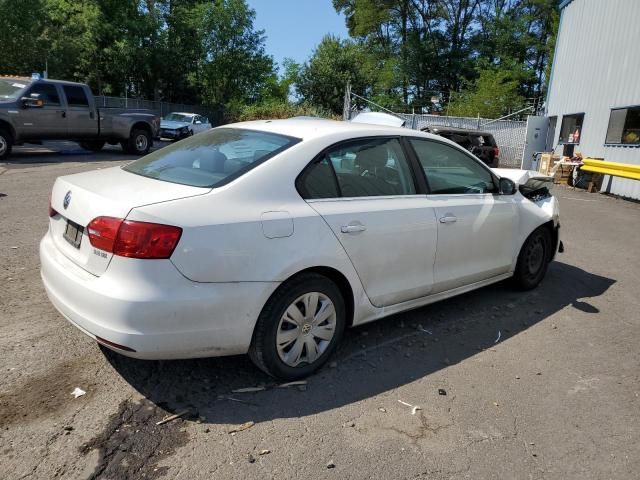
point(520, 177)
point(172, 124)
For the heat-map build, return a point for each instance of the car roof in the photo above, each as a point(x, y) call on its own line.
point(182, 113)
point(443, 128)
point(308, 128)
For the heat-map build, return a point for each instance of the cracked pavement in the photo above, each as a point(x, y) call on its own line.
point(557, 397)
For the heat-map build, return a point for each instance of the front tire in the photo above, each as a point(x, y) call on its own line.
point(533, 259)
point(6, 143)
point(299, 327)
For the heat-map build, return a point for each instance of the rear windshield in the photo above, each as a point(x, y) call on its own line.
point(212, 158)
point(10, 88)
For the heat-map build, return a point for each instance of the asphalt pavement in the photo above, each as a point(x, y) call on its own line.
point(494, 384)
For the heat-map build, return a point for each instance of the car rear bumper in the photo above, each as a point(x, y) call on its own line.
point(150, 309)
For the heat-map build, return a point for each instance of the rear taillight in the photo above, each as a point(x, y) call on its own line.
point(128, 238)
point(103, 232)
point(496, 152)
point(52, 212)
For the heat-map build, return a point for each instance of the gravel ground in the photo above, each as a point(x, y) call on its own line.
point(556, 397)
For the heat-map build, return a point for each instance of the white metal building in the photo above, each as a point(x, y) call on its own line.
point(594, 92)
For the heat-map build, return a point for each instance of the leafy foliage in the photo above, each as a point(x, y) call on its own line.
point(402, 54)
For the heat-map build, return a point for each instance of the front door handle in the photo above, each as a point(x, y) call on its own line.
point(352, 228)
point(448, 219)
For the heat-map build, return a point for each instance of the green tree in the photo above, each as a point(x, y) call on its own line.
point(235, 67)
point(495, 93)
point(333, 64)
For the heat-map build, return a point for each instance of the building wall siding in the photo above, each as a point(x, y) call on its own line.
point(597, 68)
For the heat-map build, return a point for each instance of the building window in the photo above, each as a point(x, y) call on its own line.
point(624, 126)
point(571, 128)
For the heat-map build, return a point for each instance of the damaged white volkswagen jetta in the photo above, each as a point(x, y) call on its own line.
point(271, 237)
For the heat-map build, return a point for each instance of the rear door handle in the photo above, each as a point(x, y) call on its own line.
point(352, 228)
point(448, 219)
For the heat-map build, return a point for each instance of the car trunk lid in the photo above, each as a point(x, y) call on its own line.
point(113, 192)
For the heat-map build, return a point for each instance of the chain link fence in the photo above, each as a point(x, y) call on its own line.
point(160, 108)
point(510, 135)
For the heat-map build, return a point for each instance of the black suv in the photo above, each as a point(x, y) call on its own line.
point(481, 144)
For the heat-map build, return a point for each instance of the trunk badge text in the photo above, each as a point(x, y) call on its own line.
point(67, 200)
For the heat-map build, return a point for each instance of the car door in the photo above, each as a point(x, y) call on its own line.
point(366, 192)
point(475, 224)
point(197, 124)
point(48, 121)
point(81, 117)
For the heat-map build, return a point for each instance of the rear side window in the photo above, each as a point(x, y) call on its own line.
point(361, 168)
point(75, 96)
point(212, 158)
point(318, 181)
point(47, 93)
point(450, 171)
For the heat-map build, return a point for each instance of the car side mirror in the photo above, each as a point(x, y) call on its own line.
point(32, 101)
point(506, 186)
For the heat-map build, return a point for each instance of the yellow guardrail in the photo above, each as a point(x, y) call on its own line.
point(624, 170)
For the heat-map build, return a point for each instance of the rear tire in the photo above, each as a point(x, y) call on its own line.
point(6, 143)
point(93, 145)
point(533, 259)
point(139, 142)
point(290, 342)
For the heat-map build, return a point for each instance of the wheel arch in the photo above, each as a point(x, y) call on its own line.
point(142, 126)
point(7, 126)
point(553, 232)
point(336, 277)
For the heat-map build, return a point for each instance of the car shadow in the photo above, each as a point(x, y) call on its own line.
point(66, 151)
point(371, 359)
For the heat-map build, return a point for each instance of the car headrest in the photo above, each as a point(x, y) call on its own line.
point(371, 158)
point(214, 162)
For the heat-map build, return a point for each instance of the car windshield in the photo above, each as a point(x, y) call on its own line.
point(11, 88)
point(213, 158)
point(178, 117)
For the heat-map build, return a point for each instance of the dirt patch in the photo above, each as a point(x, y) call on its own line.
point(132, 445)
point(42, 395)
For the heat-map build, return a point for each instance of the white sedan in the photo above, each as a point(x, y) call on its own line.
point(176, 126)
point(271, 237)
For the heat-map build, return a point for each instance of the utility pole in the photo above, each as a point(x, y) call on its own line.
point(346, 108)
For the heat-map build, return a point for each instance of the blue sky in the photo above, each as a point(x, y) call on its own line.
point(295, 27)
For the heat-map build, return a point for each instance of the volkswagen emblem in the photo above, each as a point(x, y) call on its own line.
point(67, 200)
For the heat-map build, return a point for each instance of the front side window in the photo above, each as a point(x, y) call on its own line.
point(624, 126)
point(47, 92)
point(571, 128)
point(450, 171)
point(212, 158)
point(75, 96)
